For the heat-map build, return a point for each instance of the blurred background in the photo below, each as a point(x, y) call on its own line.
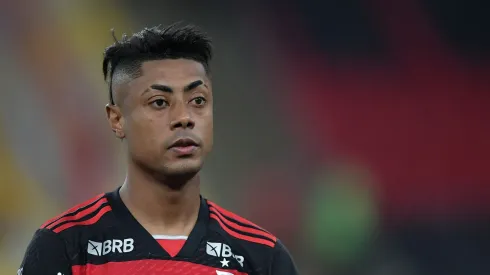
point(357, 131)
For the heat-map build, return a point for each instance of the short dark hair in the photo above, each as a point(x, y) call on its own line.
point(156, 43)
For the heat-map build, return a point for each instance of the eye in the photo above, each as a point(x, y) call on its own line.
point(159, 103)
point(199, 101)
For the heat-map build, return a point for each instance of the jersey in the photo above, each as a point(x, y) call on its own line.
point(101, 237)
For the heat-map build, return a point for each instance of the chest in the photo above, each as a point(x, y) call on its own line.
point(142, 255)
point(152, 267)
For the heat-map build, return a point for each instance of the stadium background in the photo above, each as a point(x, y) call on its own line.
point(355, 130)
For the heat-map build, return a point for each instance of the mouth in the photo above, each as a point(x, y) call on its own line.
point(184, 146)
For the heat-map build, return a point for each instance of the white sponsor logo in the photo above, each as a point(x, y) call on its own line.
point(223, 273)
point(110, 246)
point(19, 272)
point(222, 250)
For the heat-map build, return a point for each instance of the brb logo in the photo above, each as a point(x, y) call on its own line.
point(110, 246)
point(222, 250)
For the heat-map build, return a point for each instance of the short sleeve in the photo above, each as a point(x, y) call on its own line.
point(282, 262)
point(45, 255)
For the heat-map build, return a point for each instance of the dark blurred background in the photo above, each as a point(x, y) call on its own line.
point(357, 131)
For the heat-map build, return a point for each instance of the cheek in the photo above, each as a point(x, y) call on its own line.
point(208, 131)
point(145, 128)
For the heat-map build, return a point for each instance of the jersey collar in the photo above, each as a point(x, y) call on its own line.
point(132, 226)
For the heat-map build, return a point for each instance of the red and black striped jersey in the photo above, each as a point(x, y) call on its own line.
point(101, 236)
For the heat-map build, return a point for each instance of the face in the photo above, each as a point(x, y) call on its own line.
point(166, 117)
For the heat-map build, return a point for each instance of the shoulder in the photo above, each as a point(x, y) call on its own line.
point(85, 214)
point(240, 228)
point(249, 242)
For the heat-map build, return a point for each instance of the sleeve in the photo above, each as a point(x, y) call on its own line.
point(282, 262)
point(45, 255)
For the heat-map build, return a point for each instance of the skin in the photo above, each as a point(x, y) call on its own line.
point(172, 99)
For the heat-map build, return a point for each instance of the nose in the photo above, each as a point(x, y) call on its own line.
point(181, 118)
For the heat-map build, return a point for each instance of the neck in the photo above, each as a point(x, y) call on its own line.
point(157, 206)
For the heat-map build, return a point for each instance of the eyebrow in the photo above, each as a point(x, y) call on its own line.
point(168, 89)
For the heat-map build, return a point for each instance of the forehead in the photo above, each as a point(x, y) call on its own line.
point(172, 71)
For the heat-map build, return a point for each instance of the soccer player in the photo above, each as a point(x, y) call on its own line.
point(161, 106)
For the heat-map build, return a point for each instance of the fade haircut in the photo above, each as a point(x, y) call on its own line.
point(123, 59)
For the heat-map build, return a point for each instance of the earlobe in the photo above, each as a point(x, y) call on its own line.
point(119, 134)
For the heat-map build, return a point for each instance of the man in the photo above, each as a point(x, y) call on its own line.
point(161, 106)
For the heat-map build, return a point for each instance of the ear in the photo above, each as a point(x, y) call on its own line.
point(116, 120)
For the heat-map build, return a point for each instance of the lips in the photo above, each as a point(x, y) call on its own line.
point(184, 147)
point(183, 142)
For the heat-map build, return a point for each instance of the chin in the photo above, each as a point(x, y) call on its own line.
point(183, 167)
